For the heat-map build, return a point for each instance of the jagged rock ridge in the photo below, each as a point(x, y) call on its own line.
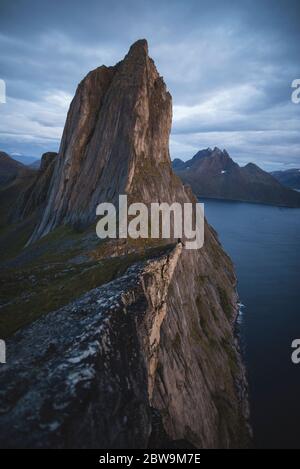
point(288, 177)
point(101, 149)
point(212, 173)
point(183, 305)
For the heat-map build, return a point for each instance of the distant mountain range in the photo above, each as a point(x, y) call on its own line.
point(213, 174)
point(25, 159)
point(289, 178)
point(10, 169)
point(35, 165)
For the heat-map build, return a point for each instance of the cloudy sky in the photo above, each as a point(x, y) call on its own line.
point(228, 65)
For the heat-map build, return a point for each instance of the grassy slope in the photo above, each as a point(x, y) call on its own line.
point(54, 271)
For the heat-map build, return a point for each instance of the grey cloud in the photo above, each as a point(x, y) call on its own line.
point(202, 48)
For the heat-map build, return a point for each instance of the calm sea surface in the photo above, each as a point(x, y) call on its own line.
point(264, 244)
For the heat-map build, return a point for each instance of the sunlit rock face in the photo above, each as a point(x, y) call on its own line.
point(117, 130)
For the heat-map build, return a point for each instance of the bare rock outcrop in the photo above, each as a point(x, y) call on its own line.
point(33, 199)
point(84, 378)
point(157, 341)
point(95, 373)
point(117, 128)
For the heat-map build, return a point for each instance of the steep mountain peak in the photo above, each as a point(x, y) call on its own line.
point(205, 152)
point(201, 154)
point(218, 161)
point(217, 151)
point(118, 124)
point(215, 159)
point(253, 167)
point(178, 163)
point(225, 152)
point(218, 176)
point(139, 47)
point(47, 159)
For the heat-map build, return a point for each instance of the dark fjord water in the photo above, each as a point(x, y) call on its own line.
point(264, 244)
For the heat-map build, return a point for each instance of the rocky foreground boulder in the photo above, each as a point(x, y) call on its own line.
point(149, 359)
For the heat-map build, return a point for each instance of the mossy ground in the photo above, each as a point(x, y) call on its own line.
point(56, 270)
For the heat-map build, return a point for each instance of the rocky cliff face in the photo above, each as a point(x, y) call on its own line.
point(34, 198)
point(212, 173)
point(117, 128)
point(151, 357)
point(85, 380)
point(102, 370)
